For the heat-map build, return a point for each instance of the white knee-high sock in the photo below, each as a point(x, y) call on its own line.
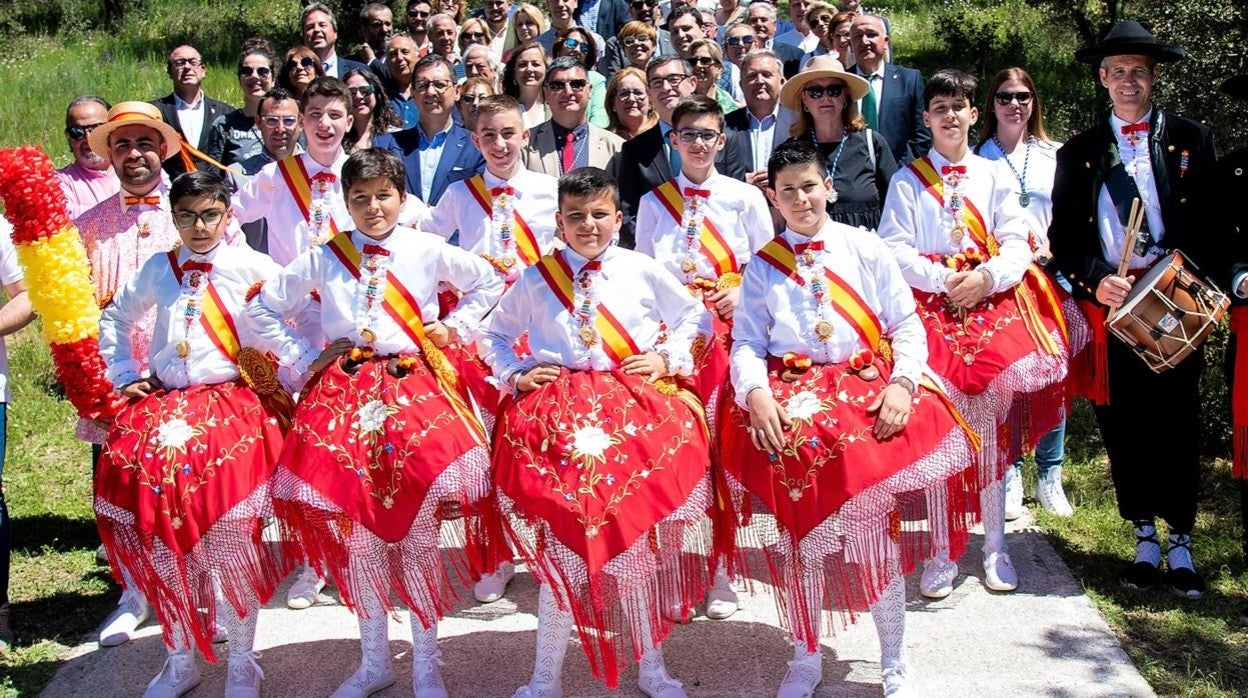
point(889, 614)
point(938, 522)
point(374, 631)
point(554, 628)
point(636, 610)
point(992, 506)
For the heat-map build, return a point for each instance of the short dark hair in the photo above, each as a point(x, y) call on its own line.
point(433, 59)
point(325, 86)
point(564, 63)
point(949, 82)
point(660, 61)
point(199, 184)
point(588, 181)
point(794, 153)
point(277, 94)
point(696, 106)
point(373, 163)
point(258, 46)
point(685, 10)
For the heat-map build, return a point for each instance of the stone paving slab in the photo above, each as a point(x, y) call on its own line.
point(1046, 639)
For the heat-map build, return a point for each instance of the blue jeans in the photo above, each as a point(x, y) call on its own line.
point(1050, 450)
point(6, 534)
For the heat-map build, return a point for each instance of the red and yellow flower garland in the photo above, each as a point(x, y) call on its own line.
point(58, 277)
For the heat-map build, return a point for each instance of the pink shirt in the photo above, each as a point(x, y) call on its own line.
point(84, 188)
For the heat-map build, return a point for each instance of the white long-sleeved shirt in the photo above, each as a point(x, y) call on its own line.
point(177, 332)
point(738, 211)
point(636, 289)
point(419, 260)
point(1037, 170)
point(1138, 163)
point(915, 224)
point(535, 198)
point(266, 195)
point(777, 315)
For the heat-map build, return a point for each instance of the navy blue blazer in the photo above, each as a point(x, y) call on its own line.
point(460, 159)
point(346, 65)
point(901, 113)
point(612, 14)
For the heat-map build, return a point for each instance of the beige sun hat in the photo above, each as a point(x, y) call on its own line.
point(132, 113)
point(818, 68)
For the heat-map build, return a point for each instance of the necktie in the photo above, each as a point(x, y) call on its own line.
point(149, 200)
point(815, 246)
point(325, 67)
point(569, 153)
point(870, 109)
point(197, 266)
point(376, 250)
point(704, 193)
point(949, 169)
point(499, 191)
point(673, 156)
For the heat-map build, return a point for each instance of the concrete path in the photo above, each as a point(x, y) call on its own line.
point(1046, 639)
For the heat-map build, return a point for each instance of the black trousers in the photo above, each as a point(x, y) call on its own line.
point(1151, 430)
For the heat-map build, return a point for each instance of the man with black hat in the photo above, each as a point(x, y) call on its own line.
point(1228, 181)
point(1136, 152)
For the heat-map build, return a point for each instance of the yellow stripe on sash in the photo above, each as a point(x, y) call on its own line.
point(526, 242)
point(712, 243)
point(616, 341)
point(300, 186)
point(219, 324)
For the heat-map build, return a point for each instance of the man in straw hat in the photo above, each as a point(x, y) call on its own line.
point(1229, 224)
point(120, 233)
point(1135, 152)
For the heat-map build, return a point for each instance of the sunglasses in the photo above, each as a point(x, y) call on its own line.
point(77, 133)
point(414, 14)
point(576, 45)
point(473, 36)
point(746, 40)
point(471, 99)
point(246, 71)
point(187, 219)
point(361, 90)
point(303, 63)
point(703, 61)
point(1004, 98)
point(818, 91)
point(643, 4)
point(275, 121)
point(577, 84)
point(690, 135)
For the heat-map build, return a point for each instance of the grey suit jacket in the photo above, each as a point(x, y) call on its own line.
point(542, 154)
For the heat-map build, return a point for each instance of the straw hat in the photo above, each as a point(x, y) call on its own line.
point(817, 68)
point(1130, 39)
point(131, 113)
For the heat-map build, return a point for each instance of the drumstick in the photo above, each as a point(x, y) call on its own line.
point(1132, 231)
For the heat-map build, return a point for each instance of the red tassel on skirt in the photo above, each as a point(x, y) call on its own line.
point(602, 481)
point(181, 494)
point(835, 499)
point(372, 467)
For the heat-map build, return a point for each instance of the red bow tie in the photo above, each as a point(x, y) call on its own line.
point(690, 191)
point(816, 246)
point(149, 200)
point(948, 169)
point(326, 176)
point(595, 265)
point(197, 266)
point(1141, 127)
point(499, 191)
point(376, 249)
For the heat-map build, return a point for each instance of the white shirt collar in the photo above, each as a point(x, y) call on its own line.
point(182, 105)
point(682, 181)
point(766, 121)
point(576, 261)
point(1118, 123)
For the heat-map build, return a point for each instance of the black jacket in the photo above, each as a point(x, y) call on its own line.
point(169, 114)
point(1082, 165)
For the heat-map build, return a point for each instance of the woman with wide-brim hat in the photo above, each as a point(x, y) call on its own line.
point(824, 99)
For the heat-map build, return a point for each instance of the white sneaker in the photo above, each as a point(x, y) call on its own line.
point(132, 611)
point(426, 679)
point(999, 574)
point(220, 633)
point(366, 680)
point(1014, 508)
point(1051, 495)
point(657, 684)
point(492, 586)
point(531, 690)
point(176, 677)
point(675, 613)
point(897, 683)
point(937, 579)
point(244, 675)
point(802, 678)
point(306, 590)
point(721, 603)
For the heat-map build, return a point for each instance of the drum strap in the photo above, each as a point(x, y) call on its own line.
point(1122, 191)
point(1239, 393)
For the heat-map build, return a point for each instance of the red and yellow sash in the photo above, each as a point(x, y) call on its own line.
point(300, 186)
point(1043, 287)
point(526, 242)
point(713, 245)
point(845, 300)
point(402, 307)
point(215, 318)
point(615, 339)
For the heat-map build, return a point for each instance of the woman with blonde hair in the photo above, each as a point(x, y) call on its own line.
point(708, 67)
point(628, 104)
point(527, 23)
point(823, 99)
point(474, 30)
point(523, 78)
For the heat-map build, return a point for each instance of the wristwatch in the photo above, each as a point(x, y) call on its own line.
point(905, 383)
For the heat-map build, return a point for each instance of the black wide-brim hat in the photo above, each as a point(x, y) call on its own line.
point(1236, 86)
point(1130, 39)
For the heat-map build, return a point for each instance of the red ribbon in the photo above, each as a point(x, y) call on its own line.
point(1141, 127)
point(948, 169)
point(1239, 393)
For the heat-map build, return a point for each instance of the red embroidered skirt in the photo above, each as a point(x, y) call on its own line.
point(602, 481)
point(1009, 390)
point(372, 466)
point(828, 512)
point(181, 494)
point(711, 358)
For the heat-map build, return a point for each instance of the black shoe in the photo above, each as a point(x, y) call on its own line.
point(1185, 583)
point(1140, 575)
point(6, 634)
